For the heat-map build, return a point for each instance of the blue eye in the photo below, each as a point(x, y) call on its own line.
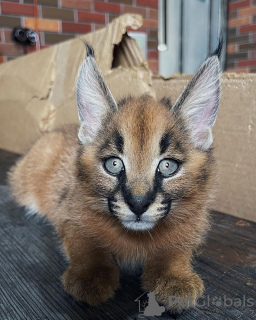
point(114, 165)
point(167, 167)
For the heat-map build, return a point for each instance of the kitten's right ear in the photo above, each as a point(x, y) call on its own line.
point(198, 104)
point(94, 99)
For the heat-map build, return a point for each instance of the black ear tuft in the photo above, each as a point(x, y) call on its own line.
point(89, 48)
point(219, 50)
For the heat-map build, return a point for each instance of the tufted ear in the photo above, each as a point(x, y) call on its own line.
point(94, 99)
point(199, 102)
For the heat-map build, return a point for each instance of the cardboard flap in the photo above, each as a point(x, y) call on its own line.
point(38, 90)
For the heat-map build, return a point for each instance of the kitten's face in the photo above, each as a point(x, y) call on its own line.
point(142, 165)
point(141, 160)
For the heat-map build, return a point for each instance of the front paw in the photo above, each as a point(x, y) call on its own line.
point(92, 285)
point(178, 293)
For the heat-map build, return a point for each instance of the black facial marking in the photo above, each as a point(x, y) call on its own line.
point(105, 145)
point(165, 209)
point(179, 147)
point(165, 143)
point(119, 142)
point(112, 206)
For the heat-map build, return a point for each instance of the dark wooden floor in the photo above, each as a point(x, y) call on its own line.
point(31, 264)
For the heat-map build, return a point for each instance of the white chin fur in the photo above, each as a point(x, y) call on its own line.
point(138, 225)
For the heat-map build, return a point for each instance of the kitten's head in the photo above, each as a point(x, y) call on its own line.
point(141, 159)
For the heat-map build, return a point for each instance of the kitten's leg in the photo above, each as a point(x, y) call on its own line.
point(171, 275)
point(92, 275)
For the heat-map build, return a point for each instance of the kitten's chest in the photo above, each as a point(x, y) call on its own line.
point(130, 265)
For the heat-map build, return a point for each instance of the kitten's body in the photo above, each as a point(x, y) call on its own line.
point(68, 182)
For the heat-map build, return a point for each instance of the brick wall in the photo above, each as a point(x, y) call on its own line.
point(59, 20)
point(241, 47)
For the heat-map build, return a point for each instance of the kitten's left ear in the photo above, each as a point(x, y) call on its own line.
point(199, 102)
point(94, 99)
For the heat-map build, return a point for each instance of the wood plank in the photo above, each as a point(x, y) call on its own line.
point(32, 263)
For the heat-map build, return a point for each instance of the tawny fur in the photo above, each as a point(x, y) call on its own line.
point(64, 181)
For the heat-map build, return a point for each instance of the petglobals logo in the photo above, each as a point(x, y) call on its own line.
point(148, 306)
point(207, 301)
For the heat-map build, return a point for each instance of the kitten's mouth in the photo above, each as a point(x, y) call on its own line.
point(138, 225)
point(133, 222)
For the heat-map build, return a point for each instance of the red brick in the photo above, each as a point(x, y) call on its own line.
point(138, 10)
point(247, 63)
point(122, 1)
point(107, 7)
point(148, 3)
point(153, 64)
point(31, 49)
point(76, 27)
point(231, 48)
point(17, 9)
point(248, 11)
point(10, 49)
point(153, 14)
point(8, 35)
point(232, 14)
point(152, 55)
point(238, 4)
point(41, 24)
point(250, 28)
point(1, 59)
point(238, 22)
point(77, 4)
point(150, 24)
point(91, 17)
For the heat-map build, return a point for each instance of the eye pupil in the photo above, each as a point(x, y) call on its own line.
point(167, 164)
point(114, 163)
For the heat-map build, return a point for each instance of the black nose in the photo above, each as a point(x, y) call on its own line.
point(138, 204)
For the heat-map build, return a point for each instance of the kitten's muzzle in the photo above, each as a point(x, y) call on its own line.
point(138, 204)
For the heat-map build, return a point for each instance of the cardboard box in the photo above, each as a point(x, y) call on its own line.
point(38, 94)
point(38, 90)
point(234, 141)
